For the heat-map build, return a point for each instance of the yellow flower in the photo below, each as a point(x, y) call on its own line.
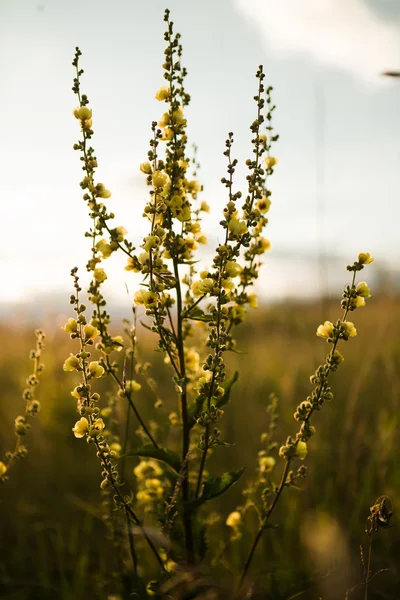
point(237, 227)
point(365, 258)
point(325, 330)
point(232, 268)
point(90, 332)
point(203, 286)
point(101, 191)
point(100, 275)
point(71, 363)
point(71, 326)
point(237, 311)
point(264, 204)
point(228, 284)
point(167, 134)
point(96, 428)
point(118, 342)
point(164, 120)
point(266, 463)
point(337, 358)
point(83, 113)
point(192, 360)
point(178, 116)
point(202, 239)
point(194, 186)
point(205, 207)
point(132, 386)
point(234, 519)
point(350, 330)
point(301, 450)
point(150, 299)
point(252, 300)
point(117, 448)
point(95, 369)
point(163, 94)
point(3, 469)
point(183, 214)
point(147, 468)
point(75, 393)
point(160, 179)
point(106, 411)
point(131, 265)
point(105, 248)
point(363, 290)
point(263, 245)
point(138, 297)
point(270, 161)
point(357, 302)
point(145, 167)
point(81, 427)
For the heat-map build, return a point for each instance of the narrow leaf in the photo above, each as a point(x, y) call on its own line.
point(228, 385)
point(163, 454)
point(216, 486)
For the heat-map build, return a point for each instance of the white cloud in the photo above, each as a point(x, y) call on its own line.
point(340, 33)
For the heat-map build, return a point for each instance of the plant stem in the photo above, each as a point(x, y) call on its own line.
point(263, 525)
point(187, 520)
point(367, 575)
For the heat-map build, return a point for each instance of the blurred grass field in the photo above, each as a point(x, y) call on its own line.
point(52, 541)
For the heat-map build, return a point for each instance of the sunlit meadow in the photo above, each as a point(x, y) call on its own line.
point(206, 446)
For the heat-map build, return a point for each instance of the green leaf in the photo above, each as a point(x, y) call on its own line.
point(163, 454)
point(228, 385)
point(199, 315)
point(146, 326)
point(216, 486)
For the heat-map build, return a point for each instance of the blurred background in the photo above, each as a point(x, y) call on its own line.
point(335, 193)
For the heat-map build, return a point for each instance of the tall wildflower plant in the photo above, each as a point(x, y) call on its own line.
point(167, 511)
point(32, 408)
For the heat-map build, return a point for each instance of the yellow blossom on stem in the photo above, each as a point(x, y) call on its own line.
point(82, 113)
point(232, 268)
point(81, 427)
point(75, 393)
point(203, 286)
point(99, 275)
point(234, 519)
point(3, 469)
point(270, 161)
point(160, 179)
point(365, 258)
point(97, 428)
point(266, 463)
point(237, 227)
point(363, 290)
point(101, 191)
point(71, 326)
point(349, 329)
point(263, 245)
point(264, 204)
point(301, 450)
point(205, 207)
point(90, 332)
point(325, 330)
point(132, 386)
point(252, 300)
point(163, 93)
point(146, 168)
point(357, 302)
point(105, 248)
point(95, 369)
point(71, 363)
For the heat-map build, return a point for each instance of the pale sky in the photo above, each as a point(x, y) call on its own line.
point(336, 117)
